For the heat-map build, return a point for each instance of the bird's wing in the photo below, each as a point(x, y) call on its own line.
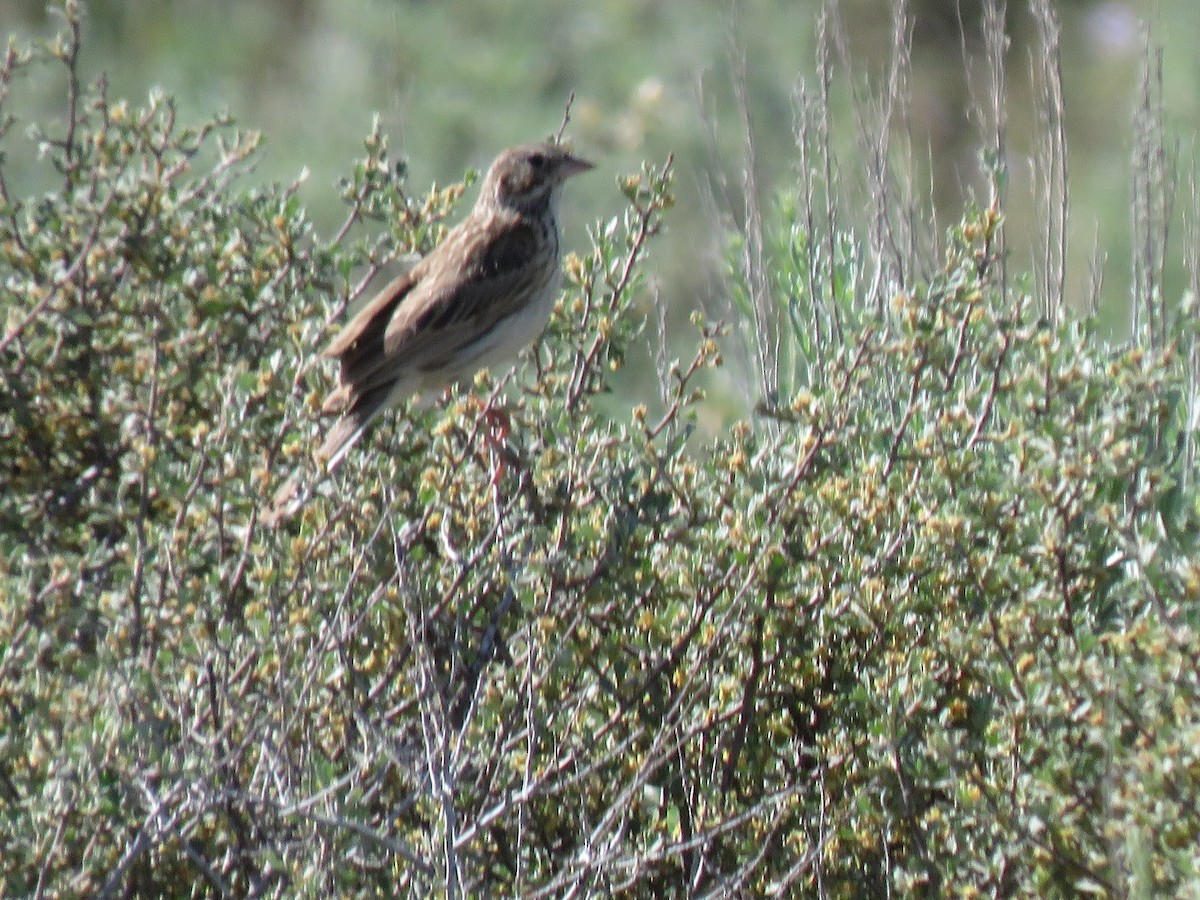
point(442, 317)
point(484, 290)
point(365, 331)
point(420, 322)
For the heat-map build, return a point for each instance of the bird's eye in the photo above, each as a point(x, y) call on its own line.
point(537, 160)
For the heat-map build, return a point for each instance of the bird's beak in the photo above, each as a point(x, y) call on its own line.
point(573, 165)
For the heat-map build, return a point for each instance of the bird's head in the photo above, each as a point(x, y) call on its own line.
point(528, 177)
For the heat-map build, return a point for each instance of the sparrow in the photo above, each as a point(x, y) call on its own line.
point(481, 296)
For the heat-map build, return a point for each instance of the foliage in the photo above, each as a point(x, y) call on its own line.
point(927, 629)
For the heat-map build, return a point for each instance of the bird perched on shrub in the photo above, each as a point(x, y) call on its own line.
point(481, 296)
point(478, 299)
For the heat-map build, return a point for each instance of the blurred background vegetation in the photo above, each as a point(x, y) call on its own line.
point(455, 82)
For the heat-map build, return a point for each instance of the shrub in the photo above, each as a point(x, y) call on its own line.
point(925, 625)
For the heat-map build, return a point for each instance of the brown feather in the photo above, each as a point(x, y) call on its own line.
point(482, 293)
point(376, 313)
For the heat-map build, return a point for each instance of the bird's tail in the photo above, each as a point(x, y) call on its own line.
point(350, 427)
point(286, 501)
point(296, 490)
